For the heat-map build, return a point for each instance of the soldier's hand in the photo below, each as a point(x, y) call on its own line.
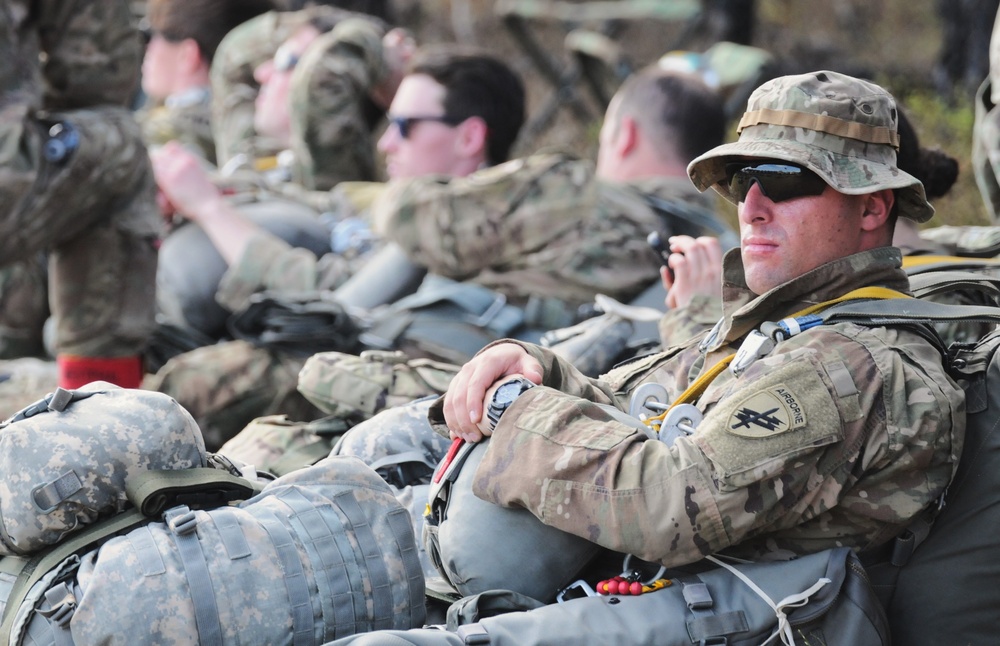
point(697, 267)
point(467, 394)
point(183, 181)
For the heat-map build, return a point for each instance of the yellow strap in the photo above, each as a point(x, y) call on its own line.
point(919, 261)
point(261, 164)
point(701, 383)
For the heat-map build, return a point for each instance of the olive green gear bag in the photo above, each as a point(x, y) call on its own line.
point(356, 387)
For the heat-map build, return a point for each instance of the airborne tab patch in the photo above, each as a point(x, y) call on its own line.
point(767, 413)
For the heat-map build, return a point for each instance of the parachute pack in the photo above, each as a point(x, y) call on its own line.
point(179, 548)
point(936, 583)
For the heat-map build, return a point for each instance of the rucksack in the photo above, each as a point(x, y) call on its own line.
point(940, 580)
point(323, 553)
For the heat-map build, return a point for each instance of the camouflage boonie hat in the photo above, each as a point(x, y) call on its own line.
point(840, 127)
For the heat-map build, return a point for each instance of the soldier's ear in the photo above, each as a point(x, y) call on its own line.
point(878, 207)
point(190, 56)
point(473, 135)
point(627, 138)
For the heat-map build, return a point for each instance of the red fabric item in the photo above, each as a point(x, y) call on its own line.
point(78, 371)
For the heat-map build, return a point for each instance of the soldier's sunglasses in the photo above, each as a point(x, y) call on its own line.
point(778, 181)
point(405, 124)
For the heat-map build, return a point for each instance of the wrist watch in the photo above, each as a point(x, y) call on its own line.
point(504, 396)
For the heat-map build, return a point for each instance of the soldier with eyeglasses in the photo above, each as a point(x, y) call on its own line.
point(838, 435)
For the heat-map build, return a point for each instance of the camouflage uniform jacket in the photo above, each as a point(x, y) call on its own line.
point(539, 226)
point(270, 263)
point(333, 119)
point(185, 117)
point(839, 437)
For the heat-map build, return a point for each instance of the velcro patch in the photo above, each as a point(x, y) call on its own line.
point(767, 413)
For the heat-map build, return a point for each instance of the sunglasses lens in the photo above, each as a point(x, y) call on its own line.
point(778, 182)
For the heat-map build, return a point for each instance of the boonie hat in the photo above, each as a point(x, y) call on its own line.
point(840, 127)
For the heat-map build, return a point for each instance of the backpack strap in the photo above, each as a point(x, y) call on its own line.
point(150, 491)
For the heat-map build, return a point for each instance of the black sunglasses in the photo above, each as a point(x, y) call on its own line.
point(778, 181)
point(405, 124)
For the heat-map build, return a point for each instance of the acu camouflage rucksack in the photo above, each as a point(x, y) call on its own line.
point(109, 537)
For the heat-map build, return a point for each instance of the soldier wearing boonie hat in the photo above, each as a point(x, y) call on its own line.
point(842, 128)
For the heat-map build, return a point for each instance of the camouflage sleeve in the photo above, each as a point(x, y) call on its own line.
point(459, 227)
point(269, 263)
point(833, 441)
point(93, 51)
point(679, 325)
point(190, 125)
point(557, 374)
point(331, 130)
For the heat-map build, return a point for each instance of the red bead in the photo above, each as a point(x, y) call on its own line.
point(635, 588)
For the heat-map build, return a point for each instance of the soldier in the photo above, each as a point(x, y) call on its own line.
point(183, 36)
point(76, 179)
point(839, 436)
point(485, 103)
point(656, 124)
point(353, 71)
point(315, 73)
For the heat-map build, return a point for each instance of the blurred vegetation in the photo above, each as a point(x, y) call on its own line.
point(897, 43)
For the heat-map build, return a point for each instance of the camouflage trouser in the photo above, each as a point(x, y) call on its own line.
point(24, 307)
point(97, 215)
point(225, 386)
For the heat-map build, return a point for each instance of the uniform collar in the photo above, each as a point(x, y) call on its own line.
point(744, 311)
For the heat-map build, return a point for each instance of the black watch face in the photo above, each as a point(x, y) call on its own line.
point(507, 393)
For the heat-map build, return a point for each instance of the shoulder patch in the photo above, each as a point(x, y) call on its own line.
point(767, 413)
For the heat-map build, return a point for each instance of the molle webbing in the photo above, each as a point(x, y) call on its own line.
point(821, 123)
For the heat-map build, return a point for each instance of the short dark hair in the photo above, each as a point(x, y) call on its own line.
point(206, 22)
point(477, 85)
point(675, 107)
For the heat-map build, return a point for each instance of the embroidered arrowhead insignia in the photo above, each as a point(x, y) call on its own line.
point(767, 413)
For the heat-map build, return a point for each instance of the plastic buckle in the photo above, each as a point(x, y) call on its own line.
point(579, 584)
point(491, 312)
point(183, 523)
point(697, 597)
point(721, 640)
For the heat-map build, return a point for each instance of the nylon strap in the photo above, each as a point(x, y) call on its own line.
point(821, 123)
point(30, 571)
point(910, 262)
point(183, 524)
point(318, 535)
point(695, 390)
point(372, 555)
point(296, 585)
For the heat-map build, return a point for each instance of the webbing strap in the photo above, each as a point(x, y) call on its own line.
point(227, 523)
point(296, 585)
point(911, 262)
point(319, 539)
point(144, 546)
point(402, 532)
point(702, 382)
point(372, 554)
point(183, 524)
point(30, 571)
point(155, 490)
point(821, 123)
point(784, 629)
